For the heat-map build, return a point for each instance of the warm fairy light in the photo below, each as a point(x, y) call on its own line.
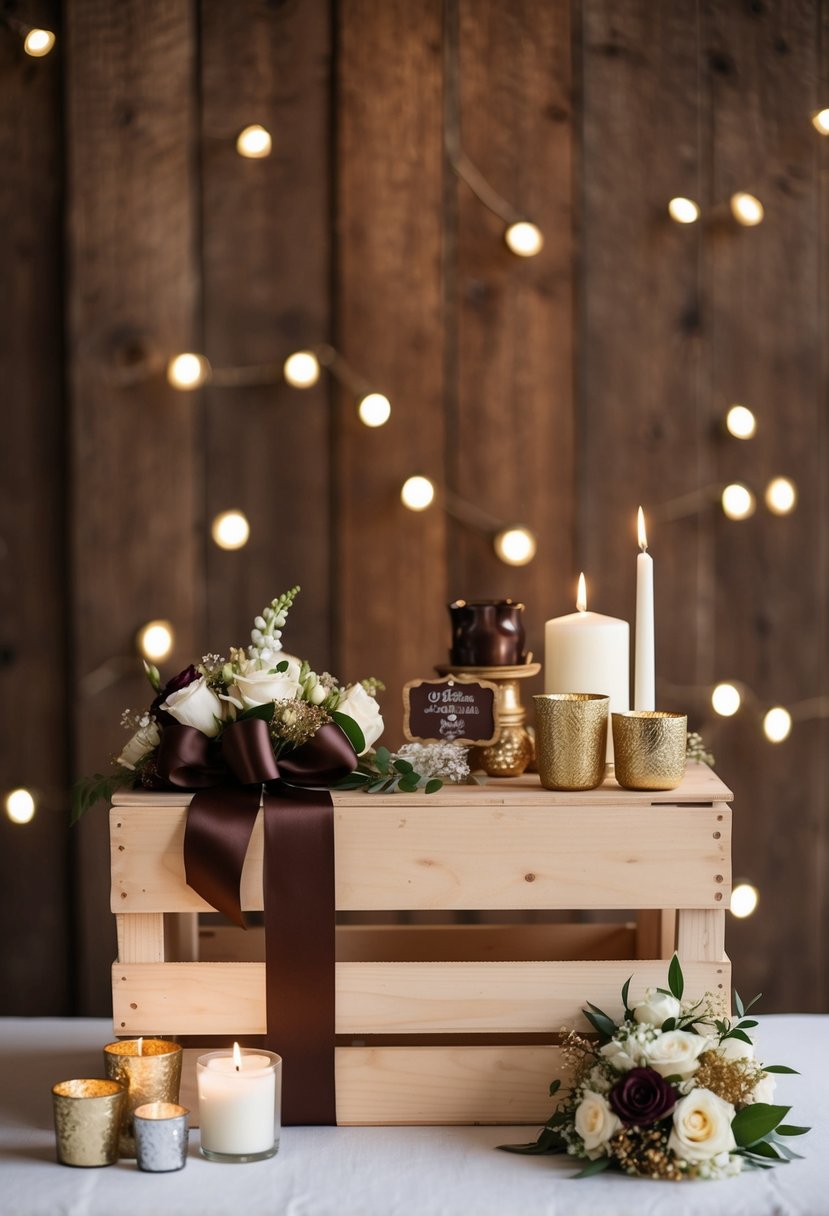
point(683, 210)
point(746, 209)
point(777, 724)
point(781, 496)
point(524, 239)
point(740, 422)
point(301, 369)
point(38, 43)
point(744, 899)
point(821, 122)
point(417, 493)
point(20, 806)
point(230, 530)
point(726, 700)
point(738, 501)
point(188, 371)
point(374, 409)
point(515, 546)
point(155, 640)
point(237, 1057)
point(581, 595)
point(254, 142)
point(640, 530)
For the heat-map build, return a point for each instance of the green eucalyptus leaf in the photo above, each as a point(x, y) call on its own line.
point(403, 766)
point(738, 1004)
point(625, 993)
point(791, 1129)
point(433, 785)
point(381, 759)
point(780, 1068)
point(754, 1122)
point(555, 1086)
point(351, 730)
point(676, 980)
point(594, 1167)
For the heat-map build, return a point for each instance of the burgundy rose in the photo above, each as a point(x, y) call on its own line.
point(642, 1097)
point(188, 676)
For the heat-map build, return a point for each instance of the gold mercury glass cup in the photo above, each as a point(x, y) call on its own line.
point(88, 1121)
point(151, 1071)
point(571, 739)
point(649, 748)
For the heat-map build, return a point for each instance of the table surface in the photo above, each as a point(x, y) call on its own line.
point(381, 1171)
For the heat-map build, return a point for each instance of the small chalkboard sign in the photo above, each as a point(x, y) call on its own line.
point(456, 709)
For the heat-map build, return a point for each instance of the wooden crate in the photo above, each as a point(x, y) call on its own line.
point(444, 1023)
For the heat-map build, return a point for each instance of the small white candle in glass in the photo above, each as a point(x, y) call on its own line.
point(240, 1095)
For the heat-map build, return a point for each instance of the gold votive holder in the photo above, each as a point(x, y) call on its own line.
point(571, 739)
point(88, 1121)
point(151, 1071)
point(649, 747)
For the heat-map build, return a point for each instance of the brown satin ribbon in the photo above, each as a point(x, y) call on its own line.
point(298, 881)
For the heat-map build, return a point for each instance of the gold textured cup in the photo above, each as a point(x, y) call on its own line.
point(649, 748)
point(151, 1071)
point(571, 739)
point(88, 1121)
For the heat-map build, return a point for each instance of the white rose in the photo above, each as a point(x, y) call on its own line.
point(622, 1056)
point(196, 705)
point(143, 741)
point(675, 1053)
point(595, 1121)
point(764, 1089)
point(736, 1049)
point(656, 1007)
point(702, 1127)
point(257, 684)
point(365, 711)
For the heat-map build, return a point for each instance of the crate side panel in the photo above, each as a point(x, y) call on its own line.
point(445, 1085)
point(471, 857)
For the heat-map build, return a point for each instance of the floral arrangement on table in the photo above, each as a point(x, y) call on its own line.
point(262, 682)
point(672, 1091)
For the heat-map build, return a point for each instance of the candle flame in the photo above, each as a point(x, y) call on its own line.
point(640, 525)
point(581, 598)
point(141, 1046)
point(237, 1057)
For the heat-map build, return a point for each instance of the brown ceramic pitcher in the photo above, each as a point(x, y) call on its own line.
point(487, 633)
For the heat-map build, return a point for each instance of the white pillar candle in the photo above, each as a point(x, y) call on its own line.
point(239, 1102)
point(588, 652)
point(644, 668)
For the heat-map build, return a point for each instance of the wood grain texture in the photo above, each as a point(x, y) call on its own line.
point(391, 587)
point(767, 344)
point(36, 974)
point(644, 410)
point(396, 998)
point(511, 409)
point(485, 856)
point(135, 466)
point(267, 249)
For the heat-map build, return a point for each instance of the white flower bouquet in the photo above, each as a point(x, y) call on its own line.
point(259, 681)
point(671, 1091)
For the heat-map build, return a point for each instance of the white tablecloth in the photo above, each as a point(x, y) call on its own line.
point(384, 1171)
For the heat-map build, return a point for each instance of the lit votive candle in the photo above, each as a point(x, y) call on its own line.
point(161, 1132)
point(151, 1071)
point(240, 1095)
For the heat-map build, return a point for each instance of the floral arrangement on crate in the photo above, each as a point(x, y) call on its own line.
point(259, 681)
point(672, 1091)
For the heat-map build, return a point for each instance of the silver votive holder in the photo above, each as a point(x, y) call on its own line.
point(88, 1121)
point(161, 1131)
point(571, 739)
point(649, 747)
point(151, 1071)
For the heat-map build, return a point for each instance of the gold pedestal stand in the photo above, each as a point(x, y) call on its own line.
point(512, 751)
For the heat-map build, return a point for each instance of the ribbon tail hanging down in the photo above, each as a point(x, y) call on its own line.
point(300, 950)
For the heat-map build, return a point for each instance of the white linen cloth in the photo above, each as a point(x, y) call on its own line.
point(383, 1171)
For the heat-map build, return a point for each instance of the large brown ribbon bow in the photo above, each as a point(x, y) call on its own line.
point(298, 880)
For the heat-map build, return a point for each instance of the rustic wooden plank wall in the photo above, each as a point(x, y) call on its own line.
point(35, 923)
point(557, 392)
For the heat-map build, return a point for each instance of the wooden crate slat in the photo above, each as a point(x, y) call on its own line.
point(479, 857)
point(395, 998)
point(444, 1085)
